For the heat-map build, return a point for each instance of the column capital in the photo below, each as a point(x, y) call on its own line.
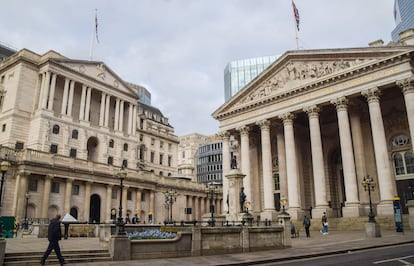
point(312, 111)
point(224, 134)
point(340, 103)
point(406, 85)
point(287, 117)
point(263, 124)
point(244, 130)
point(372, 95)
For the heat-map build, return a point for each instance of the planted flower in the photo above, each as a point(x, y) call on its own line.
point(151, 234)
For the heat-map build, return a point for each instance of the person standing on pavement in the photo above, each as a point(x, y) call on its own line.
point(324, 230)
point(306, 224)
point(54, 234)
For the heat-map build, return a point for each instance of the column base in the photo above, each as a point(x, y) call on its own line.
point(318, 211)
point(385, 208)
point(351, 210)
point(270, 215)
point(296, 213)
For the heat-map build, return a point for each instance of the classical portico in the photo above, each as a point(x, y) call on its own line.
point(313, 124)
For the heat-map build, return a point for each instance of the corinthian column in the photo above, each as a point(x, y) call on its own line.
point(291, 167)
point(351, 208)
point(268, 183)
point(385, 180)
point(407, 86)
point(46, 195)
point(245, 163)
point(52, 92)
point(68, 195)
point(225, 135)
point(318, 166)
point(87, 202)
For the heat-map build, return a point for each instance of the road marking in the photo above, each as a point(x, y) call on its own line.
point(401, 259)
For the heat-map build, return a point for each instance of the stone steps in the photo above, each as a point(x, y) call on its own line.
point(75, 256)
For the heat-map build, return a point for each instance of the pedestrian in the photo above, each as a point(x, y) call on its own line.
point(54, 234)
point(135, 219)
point(324, 230)
point(307, 223)
point(127, 219)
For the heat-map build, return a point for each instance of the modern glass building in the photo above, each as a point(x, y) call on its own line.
point(210, 162)
point(238, 73)
point(403, 16)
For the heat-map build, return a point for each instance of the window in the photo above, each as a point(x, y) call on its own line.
point(125, 146)
point(55, 187)
point(3, 128)
point(403, 157)
point(169, 146)
point(161, 158)
point(19, 145)
point(55, 129)
point(129, 195)
point(169, 160)
point(110, 160)
point(53, 148)
point(114, 194)
point(277, 181)
point(183, 154)
point(141, 152)
point(152, 141)
point(75, 190)
point(161, 173)
point(32, 185)
point(141, 137)
point(72, 153)
point(161, 144)
point(111, 143)
point(125, 163)
point(152, 157)
point(75, 134)
point(143, 196)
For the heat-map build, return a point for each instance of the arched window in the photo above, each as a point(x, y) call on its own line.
point(125, 163)
point(55, 129)
point(403, 157)
point(75, 134)
point(111, 143)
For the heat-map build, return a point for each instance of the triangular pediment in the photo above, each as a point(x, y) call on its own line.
point(98, 71)
point(296, 70)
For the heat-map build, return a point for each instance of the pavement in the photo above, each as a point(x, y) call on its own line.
point(336, 242)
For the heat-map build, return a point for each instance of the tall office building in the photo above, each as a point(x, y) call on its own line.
point(238, 73)
point(403, 16)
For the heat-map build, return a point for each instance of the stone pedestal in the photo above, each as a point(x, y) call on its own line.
point(235, 178)
point(351, 210)
point(372, 230)
point(385, 208)
point(284, 220)
point(120, 248)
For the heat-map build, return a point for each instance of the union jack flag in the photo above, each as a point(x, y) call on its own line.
point(296, 14)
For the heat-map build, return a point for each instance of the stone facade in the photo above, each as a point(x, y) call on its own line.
point(68, 126)
point(187, 154)
point(316, 122)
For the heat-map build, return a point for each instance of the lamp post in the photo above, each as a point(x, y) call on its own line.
point(369, 184)
point(170, 198)
point(4, 167)
point(120, 229)
point(283, 202)
point(211, 190)
point(26, 224)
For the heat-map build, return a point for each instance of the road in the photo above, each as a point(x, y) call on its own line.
point(389, 256)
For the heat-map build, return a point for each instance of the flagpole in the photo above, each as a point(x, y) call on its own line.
point(92, 36)
point(296, 23)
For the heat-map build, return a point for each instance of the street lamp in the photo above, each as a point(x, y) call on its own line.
point(4, 167)
point(120, 229)
point(211, 190)
point(283, 202)
point(25, 224)
point(369, 184)
point(170, 198)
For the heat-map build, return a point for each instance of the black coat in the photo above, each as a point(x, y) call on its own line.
point(54, 233)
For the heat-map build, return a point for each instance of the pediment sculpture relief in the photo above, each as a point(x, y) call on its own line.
point(296, 73)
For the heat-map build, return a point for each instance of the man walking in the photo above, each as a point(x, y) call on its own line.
point(307, 223)
point(54, 234)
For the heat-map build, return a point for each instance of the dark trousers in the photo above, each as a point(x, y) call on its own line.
point(307, 231)
point(52, 245)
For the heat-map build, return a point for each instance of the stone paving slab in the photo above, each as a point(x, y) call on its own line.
point(334, 242)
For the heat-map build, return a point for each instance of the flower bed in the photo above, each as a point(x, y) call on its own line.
point(151, 234)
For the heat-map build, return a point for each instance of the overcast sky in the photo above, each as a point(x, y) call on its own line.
point(178, 49)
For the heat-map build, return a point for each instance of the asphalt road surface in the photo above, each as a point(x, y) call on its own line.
point(388, 256)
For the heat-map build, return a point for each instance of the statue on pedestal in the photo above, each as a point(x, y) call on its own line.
point(233, 163)
point(242, 199)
